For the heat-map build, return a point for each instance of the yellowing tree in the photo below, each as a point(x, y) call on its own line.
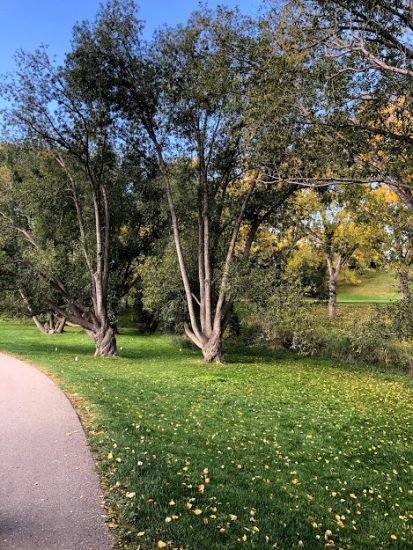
point(339, 226)
point(399, 235)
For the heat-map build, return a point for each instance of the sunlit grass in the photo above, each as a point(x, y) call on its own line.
point(269, 449)
point(374, 287)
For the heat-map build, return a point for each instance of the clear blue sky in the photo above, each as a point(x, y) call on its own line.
point(27, 23)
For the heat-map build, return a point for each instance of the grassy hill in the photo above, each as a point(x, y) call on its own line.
point(375, 287)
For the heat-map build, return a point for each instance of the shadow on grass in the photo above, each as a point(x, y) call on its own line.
point(76, 344)
point(153, 349)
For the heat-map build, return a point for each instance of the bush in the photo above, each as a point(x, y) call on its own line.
point(374, 334)
point(289, 321)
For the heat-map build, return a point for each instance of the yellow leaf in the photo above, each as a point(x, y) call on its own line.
point(394, 537)
point(130, 495)
point(110, 455)
point(161, 544)
point(112, 525)
point(244, 538)
point(197, 511)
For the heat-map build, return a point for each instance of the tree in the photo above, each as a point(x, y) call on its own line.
point(370, 67)
point(339, 224)
point(74, 146)
point(190, 94)
point(398, 222)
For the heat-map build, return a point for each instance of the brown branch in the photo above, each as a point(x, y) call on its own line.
point(230, 253)
point(75, 197)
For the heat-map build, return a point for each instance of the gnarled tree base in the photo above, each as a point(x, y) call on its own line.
point(211, 346)
point(105, 342)
point(51, 326)
point(212, 351)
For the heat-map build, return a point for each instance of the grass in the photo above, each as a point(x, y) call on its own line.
point(375, 287)
point(266, 451)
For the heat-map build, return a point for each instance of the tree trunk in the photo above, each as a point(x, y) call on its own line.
point(55, 324)
point(105, 341)
point(212, 349)
point(60, 325)
point(404, 286)
point(39, 324)
point(332, 297)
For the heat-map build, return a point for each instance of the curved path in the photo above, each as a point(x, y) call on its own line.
point(49, 492)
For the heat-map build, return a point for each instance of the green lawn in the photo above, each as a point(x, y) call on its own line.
point(375, 287)
point(267, 451)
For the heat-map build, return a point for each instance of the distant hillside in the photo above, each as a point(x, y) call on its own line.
point(375, 286)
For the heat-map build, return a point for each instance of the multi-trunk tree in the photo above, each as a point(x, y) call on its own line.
point(69, 197)
point(191, 94)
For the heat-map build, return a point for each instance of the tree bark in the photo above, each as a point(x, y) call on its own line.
point(60, 326)
point(212, 349)
point(404, 286)
point(333, 272)
point(105, 341)
point(39, 324)
point(332, 297)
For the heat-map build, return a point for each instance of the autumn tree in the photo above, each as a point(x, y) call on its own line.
point(365, 53)
point(339, 225)
point(398, 224)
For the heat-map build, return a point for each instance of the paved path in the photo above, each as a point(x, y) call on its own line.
point(49, 491)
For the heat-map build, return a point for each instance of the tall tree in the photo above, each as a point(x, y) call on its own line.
point(190, 94)
point(75, 145)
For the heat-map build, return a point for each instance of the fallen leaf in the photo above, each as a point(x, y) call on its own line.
point(112, 525)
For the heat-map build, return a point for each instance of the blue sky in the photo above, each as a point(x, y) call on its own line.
point(27, 23)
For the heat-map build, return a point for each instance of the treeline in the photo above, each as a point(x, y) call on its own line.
point(205, 166)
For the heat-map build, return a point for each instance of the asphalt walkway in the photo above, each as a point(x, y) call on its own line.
point(50, 497)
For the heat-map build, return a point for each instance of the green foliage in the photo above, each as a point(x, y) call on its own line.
point(400, 316)
point(162, 292)
point(289, 320)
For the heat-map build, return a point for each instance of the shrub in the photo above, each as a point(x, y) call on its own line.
point(288, 320)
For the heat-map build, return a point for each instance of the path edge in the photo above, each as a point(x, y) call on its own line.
point(85, 421)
